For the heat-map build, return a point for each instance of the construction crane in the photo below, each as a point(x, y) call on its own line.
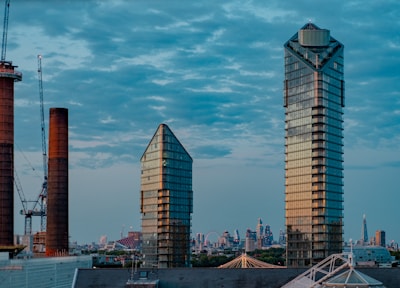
point(25, 206)
point(43, 194)
point(5, 30)
point(42, 198)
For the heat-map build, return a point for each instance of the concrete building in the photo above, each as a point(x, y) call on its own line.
point(313, 101)
point(166, 201)
point(380, 238)
point(41, 272)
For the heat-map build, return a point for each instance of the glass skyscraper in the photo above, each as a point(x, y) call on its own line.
point(313, 100)
point(166, 201)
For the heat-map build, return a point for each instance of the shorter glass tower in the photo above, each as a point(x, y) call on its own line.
point(166, 201)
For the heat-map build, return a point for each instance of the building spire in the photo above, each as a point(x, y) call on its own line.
point(364, 231)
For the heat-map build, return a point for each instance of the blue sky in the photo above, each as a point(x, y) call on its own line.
point(212, 71)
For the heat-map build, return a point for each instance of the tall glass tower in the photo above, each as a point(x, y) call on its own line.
point(166, 201)
point(313, 101)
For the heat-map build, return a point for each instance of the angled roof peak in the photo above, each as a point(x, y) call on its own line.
point(161, 136)
point(310, 26)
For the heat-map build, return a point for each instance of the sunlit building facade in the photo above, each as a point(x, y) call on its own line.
point(313, 101)
point(380, 238)
point(166, 201)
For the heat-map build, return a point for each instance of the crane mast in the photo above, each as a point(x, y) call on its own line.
point(25, 211)
point(5, 30)
point(25, 206)
point(43, 194)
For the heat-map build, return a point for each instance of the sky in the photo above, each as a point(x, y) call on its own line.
point(213, 72)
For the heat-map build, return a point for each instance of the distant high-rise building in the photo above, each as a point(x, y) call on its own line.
point(259, 228)
point(269, 237)
point(313, 101)
point(364, 232)
point(380, 238)
point(225, 240)
point(282, 237)
point(166, 201)
point(236, 236)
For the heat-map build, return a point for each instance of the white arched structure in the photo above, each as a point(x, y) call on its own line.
point(245, 261)
point(208, 234)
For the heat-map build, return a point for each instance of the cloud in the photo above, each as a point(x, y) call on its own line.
point(211, 70)
point(107, 120)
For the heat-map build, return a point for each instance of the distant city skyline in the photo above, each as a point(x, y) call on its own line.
point(214, 72)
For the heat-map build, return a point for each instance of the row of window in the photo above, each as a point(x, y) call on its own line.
point(149, 207)
point(307, 162)
point(306, 194)
point(314, 129)
point(177, 156)
point(301, 79)
point(314, 120)
point(149, 201)
point(166, 162)
point(149, 194)
point(310, 170)
point(178, 215)
point(185, 200)
point(151, 163)
point(338, 139)
point(298, 138)
point(298, 155)
point(336, 69)
point(178, 186)
point(150, 154)
point(321, 99)
point(338, 82)
point(327, 112)
point(150, 170)
point(307, 187)
point(298, 122)
point(174, 208)
point(325, 179)
point(313, 145)
point(299, 204)
point(182, 178)
point(297, 212)
point(169, 182)
point(178, 171)
point(298, 196)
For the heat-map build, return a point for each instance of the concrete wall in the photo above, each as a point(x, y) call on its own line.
point(213, 278)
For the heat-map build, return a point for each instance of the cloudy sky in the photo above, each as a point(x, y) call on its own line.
point(212, 71)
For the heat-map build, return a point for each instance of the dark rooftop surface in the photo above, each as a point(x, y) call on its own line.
point(212, 277)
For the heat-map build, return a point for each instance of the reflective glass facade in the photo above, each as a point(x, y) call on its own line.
point(166, 201)
point(313, 101)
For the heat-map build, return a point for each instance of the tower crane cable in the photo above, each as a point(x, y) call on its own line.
point(27, 160)
point(43, 194)
point(5, 30)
